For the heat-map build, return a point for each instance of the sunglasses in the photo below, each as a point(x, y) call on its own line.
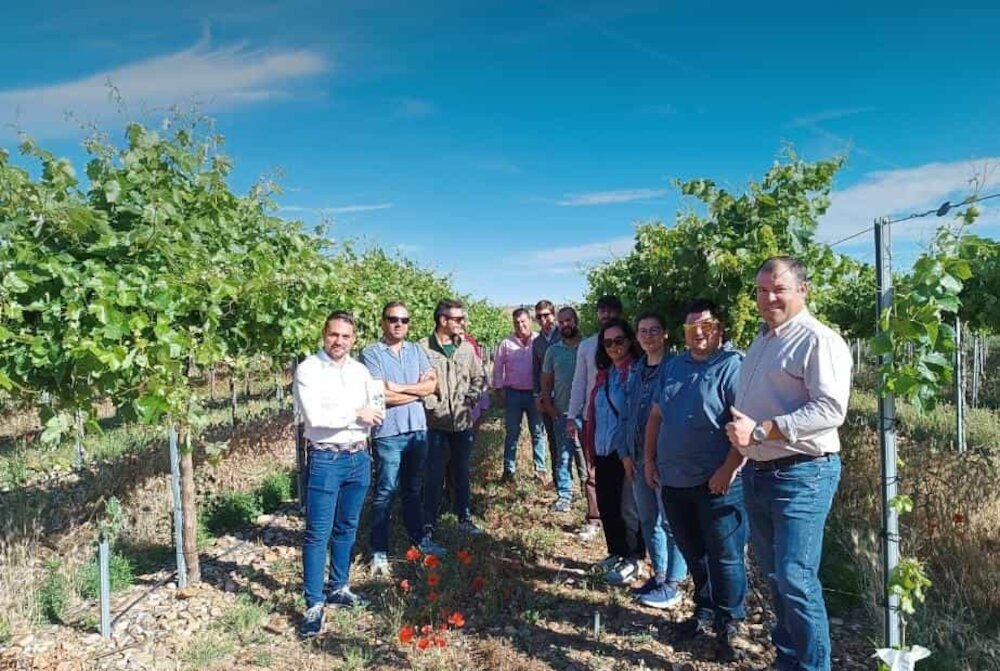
point(704, 325)
point(617, 341)
point(397, 320)
point(455, 319)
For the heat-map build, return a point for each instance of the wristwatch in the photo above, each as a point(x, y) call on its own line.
point(759, 434)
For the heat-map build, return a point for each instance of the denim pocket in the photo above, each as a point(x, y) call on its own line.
point(805, 472)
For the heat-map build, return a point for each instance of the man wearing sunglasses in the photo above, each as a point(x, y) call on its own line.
point(461, 382)
point(548, 335)
point(400, 442)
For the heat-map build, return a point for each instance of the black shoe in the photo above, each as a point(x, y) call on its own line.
point(732, 643)
point(345, 598)
point(312, 622)
point(691, 628)
point(506, 478)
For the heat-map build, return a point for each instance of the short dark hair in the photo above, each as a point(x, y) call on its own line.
point(444, 305)
point(393, 304)
point(543, 304)
point(569, 308)
point(609, 302)
point(339, 316)
point(790, 263)
point(601, 357)
point(709, 306)
point(651, 315)
point(518, 312)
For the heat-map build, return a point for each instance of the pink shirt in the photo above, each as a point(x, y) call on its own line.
point(513, 364)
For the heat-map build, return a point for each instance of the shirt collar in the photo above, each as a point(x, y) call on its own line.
point(778, 330)
point(328, 360)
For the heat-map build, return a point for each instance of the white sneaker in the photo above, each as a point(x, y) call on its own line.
point(625, 571)
point(589, 532)
point(429, 547)
point(608, 563)
point(380, 565)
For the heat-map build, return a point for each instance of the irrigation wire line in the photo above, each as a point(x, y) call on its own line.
point(944, 208)
point(850, 237)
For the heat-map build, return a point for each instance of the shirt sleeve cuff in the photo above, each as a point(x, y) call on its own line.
point(787, 428)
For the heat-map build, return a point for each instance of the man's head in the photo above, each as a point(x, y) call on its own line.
point(395, 321)
point(569, 323)
point(545, 315)
point(338, 334)
point(449, 318)
point(782, 287)
point(522, 323)
point(704, 328)
point(608, 308)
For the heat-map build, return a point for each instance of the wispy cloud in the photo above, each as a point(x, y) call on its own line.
point(570, 259)
point(894, 192)
point(609, 197)
point(218, 77)
point(341, 209)
point(414, 108)
point(828, 115)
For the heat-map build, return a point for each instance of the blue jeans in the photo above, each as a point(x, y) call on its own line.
point(519, 403)
point(338, 483)
point(666, 558)
point(565, 451)
point(441, 444)
point(399, 463)
point(788, 509)
point(711, 531)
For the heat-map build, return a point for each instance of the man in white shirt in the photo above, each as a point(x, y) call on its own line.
point(792, 396)
point(333, 391)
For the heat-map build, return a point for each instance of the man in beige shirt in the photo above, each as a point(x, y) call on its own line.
point(792, 397)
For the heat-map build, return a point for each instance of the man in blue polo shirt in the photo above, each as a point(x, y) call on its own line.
point(401, 440)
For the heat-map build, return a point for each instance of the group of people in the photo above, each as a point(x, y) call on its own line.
point(680, 457)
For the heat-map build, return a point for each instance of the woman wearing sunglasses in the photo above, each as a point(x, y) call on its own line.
point(616, 351)
point(662, 589)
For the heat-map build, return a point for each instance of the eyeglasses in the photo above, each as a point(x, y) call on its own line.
point(653, 331)
point(459, 319)
point(704, 325)
point(617, 341)
point(392, 319)
point(541, 315)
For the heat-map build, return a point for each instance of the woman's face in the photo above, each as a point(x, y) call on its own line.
point(652, 337)
point(616, 344)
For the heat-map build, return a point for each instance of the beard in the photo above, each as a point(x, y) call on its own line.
point(569, 332)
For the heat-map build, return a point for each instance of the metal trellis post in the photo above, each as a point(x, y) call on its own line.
point(959, 387)
point(887, 440)
point(175, 488)
point(103, 563)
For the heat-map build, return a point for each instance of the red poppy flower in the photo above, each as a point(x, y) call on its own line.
point(443, 626)
point(440, 642)
point(423, 643)
point(427, 629)
point(464, 556)
point(433, 579)
point(433, 597)
point(477, 584)
point(404, 585)
point(406, 635)
point(413, 554)
point(958, 518)
point(457, 620)
point(431, 561)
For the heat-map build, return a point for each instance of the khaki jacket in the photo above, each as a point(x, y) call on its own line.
point(461, 383)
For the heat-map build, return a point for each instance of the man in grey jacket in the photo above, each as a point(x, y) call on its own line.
point(461, 382)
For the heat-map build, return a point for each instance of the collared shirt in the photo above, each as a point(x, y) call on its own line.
point(512, 366)
point(329, 395)
point(694, 401)
point(585, 377)
point(406, 367)
point(539, 347)
point(799, 376)
point(560, 362)
point(641, 393)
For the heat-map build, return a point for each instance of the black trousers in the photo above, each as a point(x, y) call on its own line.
point(609, 474)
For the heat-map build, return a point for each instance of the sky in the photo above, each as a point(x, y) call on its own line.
point(514, 144)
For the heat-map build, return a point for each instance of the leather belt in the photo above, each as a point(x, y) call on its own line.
point(775, 464)
point(349, 448)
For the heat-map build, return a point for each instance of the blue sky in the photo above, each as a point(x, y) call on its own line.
point(511, 144)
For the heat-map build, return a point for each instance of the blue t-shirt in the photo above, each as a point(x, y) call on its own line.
point(406, 368)
point(694, 401)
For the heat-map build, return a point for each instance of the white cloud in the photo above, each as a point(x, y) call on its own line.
point(896, 192)
point(342, 209)
point(218, 77)
point(571, 259)
point(828, 115)
point(610, 197)
point(414, 108)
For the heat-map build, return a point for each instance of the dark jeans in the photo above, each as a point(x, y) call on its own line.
point(788, 508)
point(554, 443)
point(338, 483)
point(440, 446)
point(517, 404)
point(399, 464)
point(711, 532)
point(589, 480)
point(609, 474)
